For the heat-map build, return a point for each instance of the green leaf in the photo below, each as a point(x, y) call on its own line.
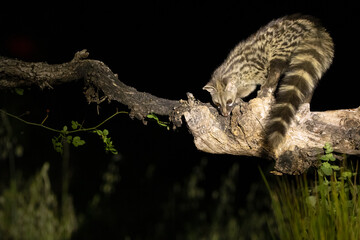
point(113, 151)
point(65, 128)
point(336, 168)
point(98, 132)
point(326, 169)
point(58, 147)
point(331, 157)
point(109, 147)
point(328, 148)
point(328, 157)
point(152, 116)
point(75, 125)
point(105, 132)
point(69, 138)
point(77, 141)
point(347, 174)
point(324, 158)
point(160, 123)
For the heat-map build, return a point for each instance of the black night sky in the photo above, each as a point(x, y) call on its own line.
point(166, 48)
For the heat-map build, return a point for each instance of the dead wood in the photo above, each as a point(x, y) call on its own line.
point(239, 134)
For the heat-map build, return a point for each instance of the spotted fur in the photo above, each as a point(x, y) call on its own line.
point(298, 47)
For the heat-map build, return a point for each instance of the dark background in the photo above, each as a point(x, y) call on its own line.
point(157, 45)
point(166, 48)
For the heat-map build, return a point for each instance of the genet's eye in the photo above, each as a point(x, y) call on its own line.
point(217, 104)
point(229, 102)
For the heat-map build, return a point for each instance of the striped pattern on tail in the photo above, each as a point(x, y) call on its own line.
point(307, 64)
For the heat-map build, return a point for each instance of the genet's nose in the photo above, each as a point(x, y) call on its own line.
point(225, 114)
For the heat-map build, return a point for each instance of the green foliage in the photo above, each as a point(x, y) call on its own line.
point(328, 208)
point(75, 125)
point(109, 147)
point(160, 123)
point(76, 141)
point(327, 162)
point(330, 167)
point(66, 135)
point(32, 213)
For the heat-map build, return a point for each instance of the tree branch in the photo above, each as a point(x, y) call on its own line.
point(239, 134)
point(97, 76)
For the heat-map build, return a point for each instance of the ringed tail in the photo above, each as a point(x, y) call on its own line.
point(307, 64)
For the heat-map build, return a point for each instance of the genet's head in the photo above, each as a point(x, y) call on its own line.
point(223, 94)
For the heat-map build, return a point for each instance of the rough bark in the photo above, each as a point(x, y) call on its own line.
point(96, 75)
point(239, 134)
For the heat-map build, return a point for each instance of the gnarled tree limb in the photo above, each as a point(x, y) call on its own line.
point(239, 134)
point(97, 76)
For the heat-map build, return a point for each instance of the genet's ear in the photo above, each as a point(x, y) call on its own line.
point(209, 88)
